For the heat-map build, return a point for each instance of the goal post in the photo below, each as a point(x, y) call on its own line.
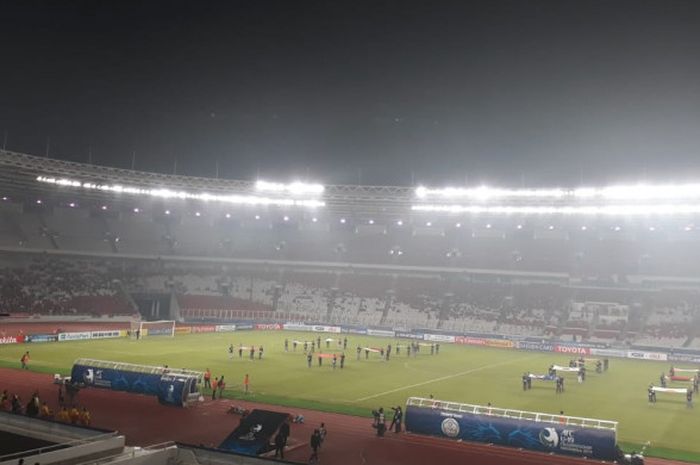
point(157, 328)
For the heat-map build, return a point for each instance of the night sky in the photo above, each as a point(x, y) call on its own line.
point(506, 92)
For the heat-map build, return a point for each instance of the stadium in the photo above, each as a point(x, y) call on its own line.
point(554, 310)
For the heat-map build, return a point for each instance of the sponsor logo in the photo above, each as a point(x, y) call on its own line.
point(409, 335)
point(41, 338)
point(572, 350)
point(11, 339)
point(450, 427)
point(183, 329)
point(684, 358)
point(380, 332)
point(647, 355)
point(502, 343)
point(295, 327)
point(225, 328)
point(104, 334)
point(268, 326)
point(355, 330)
point(244, 326)
point(549, 437)
point(526, 345)
point(202, 329)
point(74, 336)
point(472, 341)
point(439, 337)
point(326, 329)
point(609, 352)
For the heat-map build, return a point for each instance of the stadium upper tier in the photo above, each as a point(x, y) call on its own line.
point(31, 178)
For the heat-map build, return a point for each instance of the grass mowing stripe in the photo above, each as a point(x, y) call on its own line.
point(442, 378)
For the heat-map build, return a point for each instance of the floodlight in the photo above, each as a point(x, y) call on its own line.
point(297, 188)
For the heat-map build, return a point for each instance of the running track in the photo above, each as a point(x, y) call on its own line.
point(350, 441)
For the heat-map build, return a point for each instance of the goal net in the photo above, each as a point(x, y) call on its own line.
point(154, 328)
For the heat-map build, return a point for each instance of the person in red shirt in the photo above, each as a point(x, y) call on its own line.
point(246, 383)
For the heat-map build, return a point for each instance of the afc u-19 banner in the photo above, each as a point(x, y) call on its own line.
point(513, 432)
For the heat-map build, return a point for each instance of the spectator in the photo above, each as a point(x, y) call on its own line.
point(85, 417)
point(315, 444)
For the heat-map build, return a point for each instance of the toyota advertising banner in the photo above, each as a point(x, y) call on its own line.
point(574, 350)
point(268, 327)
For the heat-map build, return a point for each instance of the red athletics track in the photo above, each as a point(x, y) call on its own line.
point(350, 441)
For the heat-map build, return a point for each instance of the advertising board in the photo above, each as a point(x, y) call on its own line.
point(570, 349)
point(225, 328)
point(536, 346)
point(380, 332)
point(35, 338)
point(104, 334)
point(500, 343)
point(268, 327)
point(406, 335)
point(183, 329)
point(513, 432)
point(469, 340)
point(353, 330)
point(79, 336)
point(202, 329)
point(609, 352)
point(684, 358)
point(641, 355)
point(11, 339)
point(438, 338)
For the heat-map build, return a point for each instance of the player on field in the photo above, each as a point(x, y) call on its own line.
point(230, 351)
point(286, 345)
point(342, 360)
point(308, 359)
point(359, 351)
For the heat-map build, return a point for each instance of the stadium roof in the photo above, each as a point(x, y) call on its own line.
point(23, 175)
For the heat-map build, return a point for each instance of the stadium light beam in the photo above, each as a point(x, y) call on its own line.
point(584, 210)
point(294, 188)
point(163, 193)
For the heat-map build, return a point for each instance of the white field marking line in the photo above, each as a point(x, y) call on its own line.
point(442, 378)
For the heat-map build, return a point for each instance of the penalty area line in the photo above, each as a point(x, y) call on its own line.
point(442, 378)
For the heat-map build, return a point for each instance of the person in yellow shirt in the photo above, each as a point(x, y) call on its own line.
point(63, 415)
point(45, 411)
point(74, 415)
point(85, 417)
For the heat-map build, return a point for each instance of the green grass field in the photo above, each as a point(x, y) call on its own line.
point(459, 373)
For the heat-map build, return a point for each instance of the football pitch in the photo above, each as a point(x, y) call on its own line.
point(466, 374)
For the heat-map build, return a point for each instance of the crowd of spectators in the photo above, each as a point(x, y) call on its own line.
point(61, 287)
point(430, 301)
